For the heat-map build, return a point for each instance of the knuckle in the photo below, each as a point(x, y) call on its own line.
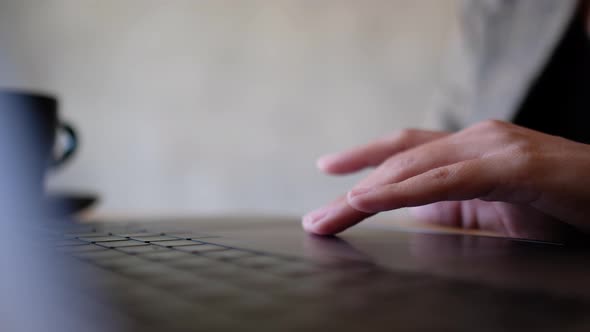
point(495, 125)
point(489, 126)
point(504, 135)
point(397, 168)
point(522, 147)
point(506, 139)
point(401, 138)
point(388, 163)
point(441, 174)
point(524, 157)
point(406, 162)
point(400, 162)
point(406, 135)
point(522, 161)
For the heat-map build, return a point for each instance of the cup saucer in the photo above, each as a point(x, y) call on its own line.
point(66, 204)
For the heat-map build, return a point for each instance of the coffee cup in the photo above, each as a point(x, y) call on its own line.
point(29, 127)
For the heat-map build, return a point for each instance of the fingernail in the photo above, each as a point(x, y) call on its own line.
point(323, 161)
point(358, 192)
point(315, 216)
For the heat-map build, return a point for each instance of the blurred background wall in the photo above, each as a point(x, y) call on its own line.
point(218, 106)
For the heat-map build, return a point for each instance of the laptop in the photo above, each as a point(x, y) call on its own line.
point(266, 274)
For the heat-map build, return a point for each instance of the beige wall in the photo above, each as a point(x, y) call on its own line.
point(222, 105)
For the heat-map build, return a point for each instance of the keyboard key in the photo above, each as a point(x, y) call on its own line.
point(137, 234)
point(189, 235)
point(118, 244)
point(177, 279)
point(200, 248)
point(175, 243)
point(165, 255)
point(143, 270)
point(122, 262)
point(193, 262)
point(108, 238)
point(142, 249)
point(223, 271)
point(213, 292)
point(152, 238)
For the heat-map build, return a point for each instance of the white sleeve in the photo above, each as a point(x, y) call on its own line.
point(450, 105)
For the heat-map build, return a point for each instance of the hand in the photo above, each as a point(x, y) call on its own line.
point(492, 176)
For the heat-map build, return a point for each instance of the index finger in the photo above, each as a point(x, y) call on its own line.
point(486, 178)
point(374, 153)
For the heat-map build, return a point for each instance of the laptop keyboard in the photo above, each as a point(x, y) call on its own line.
point(193, 274)
point(175, 279)
point(183, 253)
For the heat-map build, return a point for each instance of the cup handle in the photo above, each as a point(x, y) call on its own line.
point(71, 146)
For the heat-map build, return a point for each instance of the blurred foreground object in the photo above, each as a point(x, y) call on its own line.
point(40, 289)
